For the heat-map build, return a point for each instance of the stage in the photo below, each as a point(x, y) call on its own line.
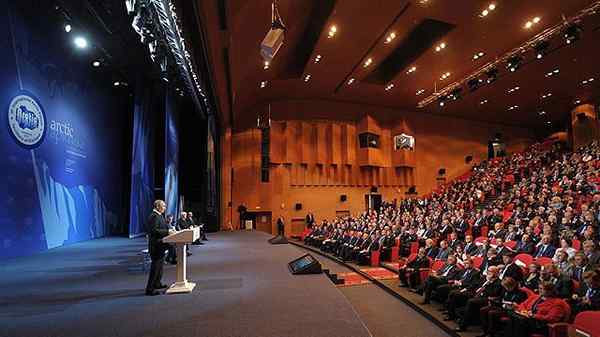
point(96, 288)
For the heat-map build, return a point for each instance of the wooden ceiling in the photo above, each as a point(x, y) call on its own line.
point(235, 29)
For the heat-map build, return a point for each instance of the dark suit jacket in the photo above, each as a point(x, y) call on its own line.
point(182, 224)
point(514, 271)
point(470, 278)
point(525, 248)
point(157, 228)
point(451, 272)
point(442, 254)
point(418, 263)
point(564, 287)
point(594, 259)
point(548, 252)
point(431, 252)
point(532, 283)
point(471, 248)
point(492, 289)
point(594, 295)
point(515, 296)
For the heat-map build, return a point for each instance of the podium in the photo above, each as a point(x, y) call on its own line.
point(180, 239)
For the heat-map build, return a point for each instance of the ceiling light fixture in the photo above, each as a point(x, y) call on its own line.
point(541, 49)
point(488, 10)
point(307, 78)
point(440, 47)
point(514, 107)
point(96, 64)
point(80, 42)
point(68, 28)
point(266, 65)
point(263, 84)
point(541, 113)
point(332, 31)
point(456, 94)
point(420, 92)
point(492, 75)
point(390, 37)
point(411, 70)
point(474, 84)
point(514, 62)
point(478, 55)
point(529, 24)
point(368, 62)
point(510, 91)
point(350, 81)
point(547, 95)
point(553, 72)
point(572, 33)
point(578, 101)
point(317, 58)
point(389, 87)
point(445, 76)
point(588, 81)
point(483, 102)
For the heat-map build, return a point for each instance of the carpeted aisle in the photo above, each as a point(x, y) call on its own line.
point(243, 289)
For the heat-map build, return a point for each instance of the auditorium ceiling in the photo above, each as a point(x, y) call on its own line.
point(405, 68)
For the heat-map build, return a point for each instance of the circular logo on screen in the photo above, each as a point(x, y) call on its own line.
point(26, 120)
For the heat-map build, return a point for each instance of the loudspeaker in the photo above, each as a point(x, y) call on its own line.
point(468, 159)
point(374, 189)
point(305, 264)
point(412, 190)
point(343, 197)
point(272, 43)
point(298, 207)
point(278, 240)
point(442, 171)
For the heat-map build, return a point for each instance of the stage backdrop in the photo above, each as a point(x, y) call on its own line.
point(171, 155)
point(142, 165)
point(60, 142)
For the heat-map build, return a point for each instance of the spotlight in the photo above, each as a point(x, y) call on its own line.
point(117, 83)
point(68, 28)
point(80, 42)
point(456, 94)
point(514, 62)
point(540, 49)
point(492, 75)
point(96, 64)
point(572, 33)
point(474, 84)
point(442, 100)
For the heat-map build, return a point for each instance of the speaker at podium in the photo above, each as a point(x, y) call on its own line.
point(180, 239)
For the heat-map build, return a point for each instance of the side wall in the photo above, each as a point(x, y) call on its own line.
point(315, 160)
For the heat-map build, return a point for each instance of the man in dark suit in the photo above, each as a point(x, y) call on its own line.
point(410, 273)
point(510, 268)
point(430, 250)
point(545, 248)
point(310, 220)
point(157, 229)
point(470, 246)
point(280, 225)
point(525, 245)
point(468, 278)
point(443, 252)
point(448, 272)
point(491, 289)
point(593, 255)
point(563, 284)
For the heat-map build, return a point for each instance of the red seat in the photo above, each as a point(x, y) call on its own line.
point(576, 244)
point(477, 260)
point(484, 231)
point(480, 239)
point(511, 244)
point(375, 255)
point(437, 265)
point(543, 261)
point(525, 259)
point(414, 247)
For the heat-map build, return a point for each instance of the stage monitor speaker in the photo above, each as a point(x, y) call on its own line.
point(278, 240)
point(412, 190)
point(298, 206)
point(343, 197)
point(374, 189)
point(305, 264)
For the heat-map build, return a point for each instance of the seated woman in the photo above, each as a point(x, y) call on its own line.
point(533, 315)
point(566, 247)
point(491, 315)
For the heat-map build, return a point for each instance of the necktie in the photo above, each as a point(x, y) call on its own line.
point(535, 304)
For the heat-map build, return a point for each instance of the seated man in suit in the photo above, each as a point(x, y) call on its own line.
point(491, 289)
point(469, 278)
point(491, 315)
point(387, 242)
point(443, 252)
point(593, 255)
point(563, 284)
point(525, 245)
point(545, 248)
point(470, 246)
point(363, 257)
point(410, 273)
point(406, 239)
point(430, 250)
point(510, 268)
point(588, 295)
point(435, 279)
point(500, 247)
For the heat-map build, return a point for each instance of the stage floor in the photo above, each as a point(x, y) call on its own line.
point(96, 288)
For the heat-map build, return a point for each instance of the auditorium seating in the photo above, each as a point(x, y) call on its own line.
point(549, 194)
